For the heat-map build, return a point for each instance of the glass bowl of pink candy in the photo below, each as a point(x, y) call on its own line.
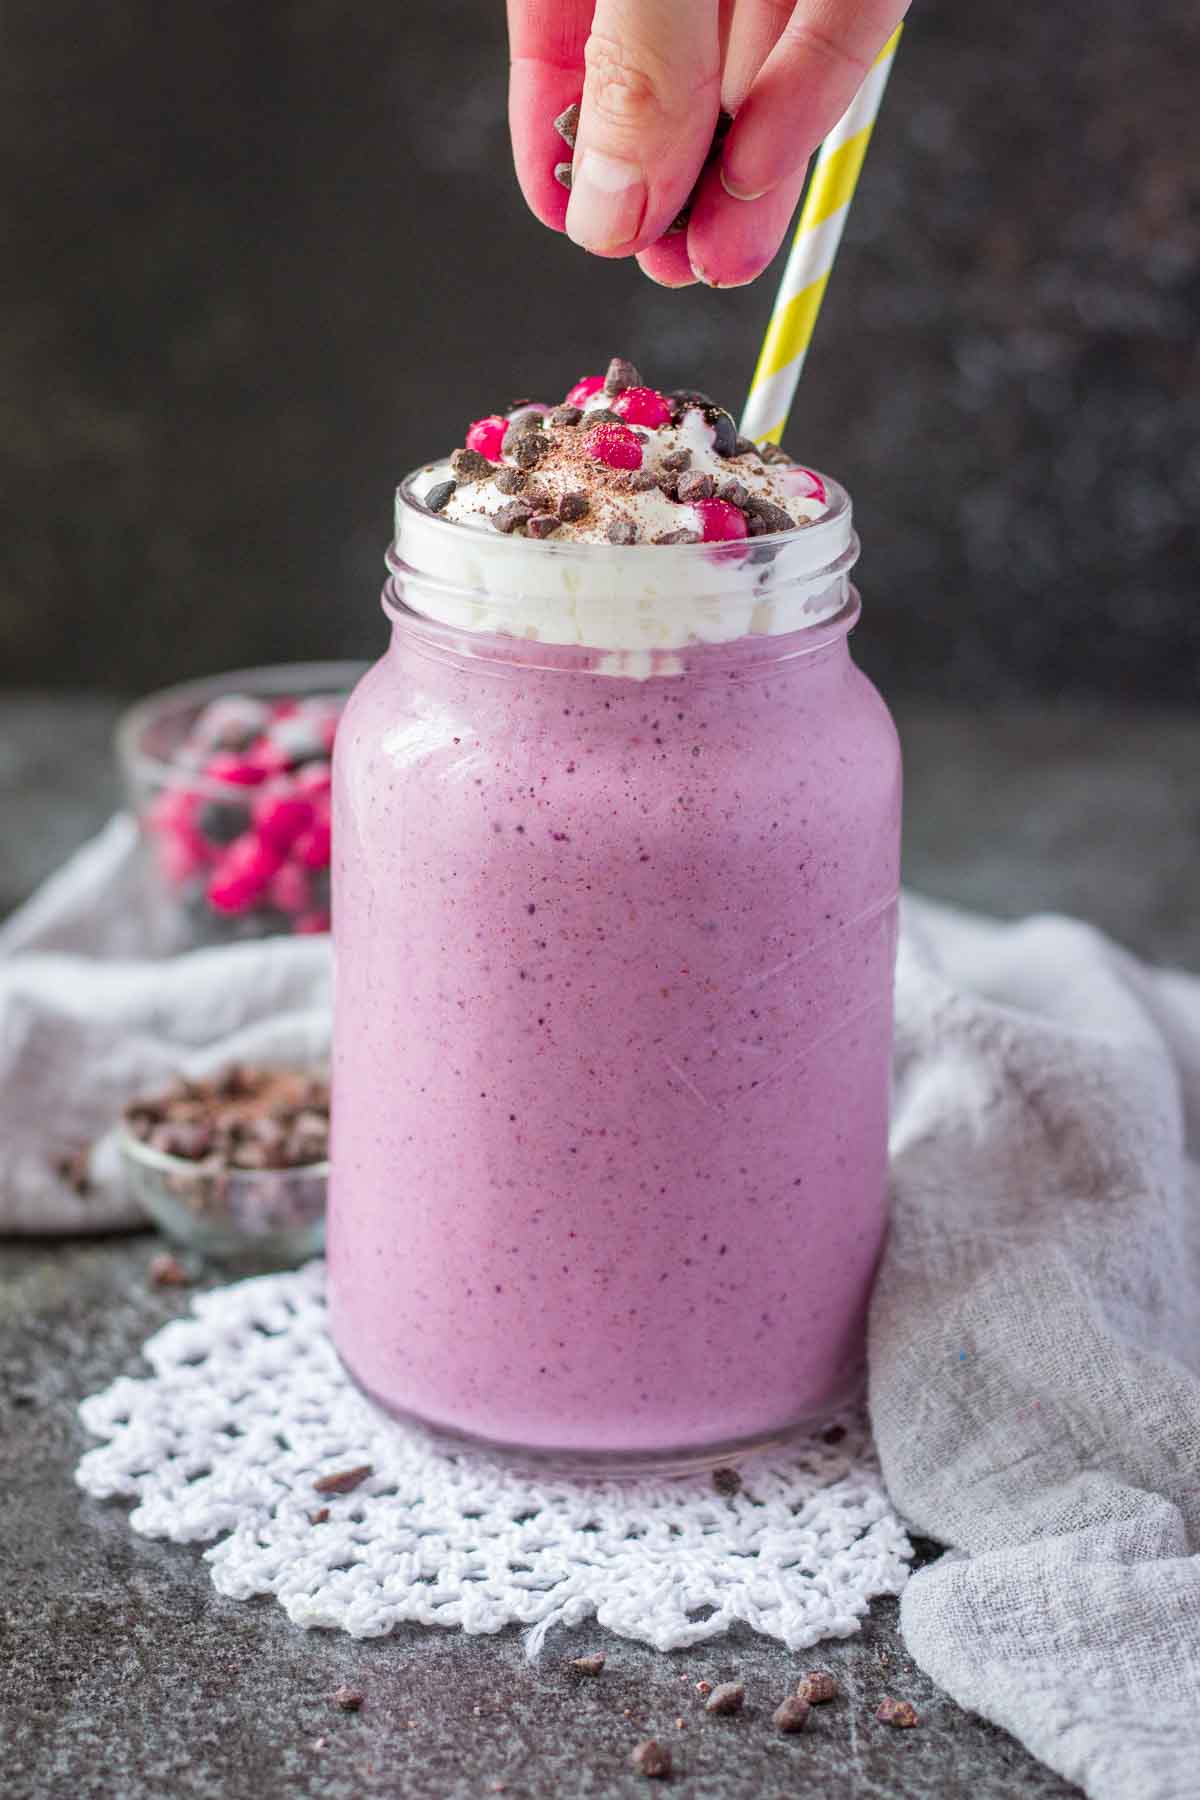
point(229, 779)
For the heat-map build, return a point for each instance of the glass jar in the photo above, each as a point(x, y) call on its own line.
point(615, 874)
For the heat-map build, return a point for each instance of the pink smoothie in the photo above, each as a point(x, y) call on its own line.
point(613, 1019)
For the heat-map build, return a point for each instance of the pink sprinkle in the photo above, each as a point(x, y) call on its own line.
point(242, 874)
point(616, 446)
point(280, 817)
point(584, 388)
point(311, 848)
point(313, 778)
point(239, 770)
point(643, 406)
point(487, 436)
point(719, 520)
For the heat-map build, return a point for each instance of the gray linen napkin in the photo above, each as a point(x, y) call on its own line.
point(1035, 1333)
point(1035, 1341)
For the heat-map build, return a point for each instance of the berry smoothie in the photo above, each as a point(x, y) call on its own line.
point(614, 919)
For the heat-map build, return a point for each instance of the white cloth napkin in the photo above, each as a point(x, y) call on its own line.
point(1035, 1335)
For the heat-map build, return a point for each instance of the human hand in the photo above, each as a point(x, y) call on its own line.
point(654, 75)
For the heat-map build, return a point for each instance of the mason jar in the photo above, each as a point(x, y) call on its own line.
point(616, 845)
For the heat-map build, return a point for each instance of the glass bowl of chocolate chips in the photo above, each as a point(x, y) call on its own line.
point(234, 1165)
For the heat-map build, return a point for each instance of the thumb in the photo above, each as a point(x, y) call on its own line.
point(650, 97)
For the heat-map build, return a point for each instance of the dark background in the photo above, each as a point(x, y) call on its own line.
point(259, 258)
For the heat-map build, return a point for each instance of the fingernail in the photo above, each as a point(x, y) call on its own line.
point(608, 201)
point(736, 193)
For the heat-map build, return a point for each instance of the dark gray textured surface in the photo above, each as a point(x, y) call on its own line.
point(123, 1674)
point(260, 260)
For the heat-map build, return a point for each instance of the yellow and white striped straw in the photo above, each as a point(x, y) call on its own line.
point(818, 234)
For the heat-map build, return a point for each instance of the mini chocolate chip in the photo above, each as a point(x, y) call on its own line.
point(319, 1517)
point(567, 124)
point(725, 434)
point(818, 1687)
point(572, 507)
point(529, 448)
point(651, 1758)
point(678, 537)
point(588, 1665)
point(564, 415)
point(774, 453)
point(348, 1698)
point(677, 460)
point(543, 524)
point(438, 495)
point(755, 527)
point(343, 1481)
point(668, 484)
point(746, 447)
point(468, 465)
point(695, 485)
point(680, 221)
point(510, 481)
point(602, 415)
point(622, 531)
point(897, 1712)
point(727, 1481)
point(730, 1697)
point(511, 515)
point(792, 1715)
point(736, 492)
point(190, 1140)
point(167, 1271)
point(640, 481)
point(773, 517)
point(621, 374)
point(562, 174)
point(524, 415)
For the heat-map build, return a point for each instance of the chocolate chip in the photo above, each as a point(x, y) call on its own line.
point(774, 453)
point(602, 415)
point(167, 1271)
point(818, 1688)
point(468, 465)
point(792, 1715)
point(736, 492)
point(678, 537)
point(511, 515)
point(572, 507)
point(668, 484)
point(730, 1697)
point(652, 1758)
point(543, 525)
point(510, 481)
point(773, 517)
point(755, 527)
point(746, 447)
point(564, 415)
point(528, 448)
point(727, 1481)
point(622, 531)
point(348, 1698)
point(897, 1712)
point(319, 1517)
point(567, 124)
point(344, 1481)
point(588, 1665)
point(725, 434)
point(438, 495)
point(640, 481)
point(182, 1138)
point(621, 374)
point(677, 460)
point(695, 485)
point(562, 174)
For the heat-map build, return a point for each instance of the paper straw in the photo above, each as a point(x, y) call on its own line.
point(818, 234)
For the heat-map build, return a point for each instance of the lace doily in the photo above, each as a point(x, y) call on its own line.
point(248, 1408)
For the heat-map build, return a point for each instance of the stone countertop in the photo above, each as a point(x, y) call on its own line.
point(123, 1673)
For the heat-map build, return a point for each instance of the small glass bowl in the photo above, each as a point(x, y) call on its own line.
point(268, 1218)
point(169, 797)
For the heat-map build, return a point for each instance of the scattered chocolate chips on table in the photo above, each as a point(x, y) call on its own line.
point(727, 1481)
point(343, 1481)
point(166, 1271)
point(729, 1697)
point(348, 1698)
point(651, 1758)
point(897, 1712)
point(588, 1665)
point(75, 1168)
point(792, 1715)
point(818, 1687)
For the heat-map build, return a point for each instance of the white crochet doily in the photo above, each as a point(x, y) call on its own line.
point(248, 1407)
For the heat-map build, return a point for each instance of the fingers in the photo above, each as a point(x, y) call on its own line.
point(823, 54)
point(546, 38)
point(754, 30)
point(650, 95)
point(666, 262)
point(730, 242)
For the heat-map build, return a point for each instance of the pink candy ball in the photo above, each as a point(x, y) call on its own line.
point(616, 446)
point(719, 521)
point(487, 436)
point(643, 406)
point(584, 388)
